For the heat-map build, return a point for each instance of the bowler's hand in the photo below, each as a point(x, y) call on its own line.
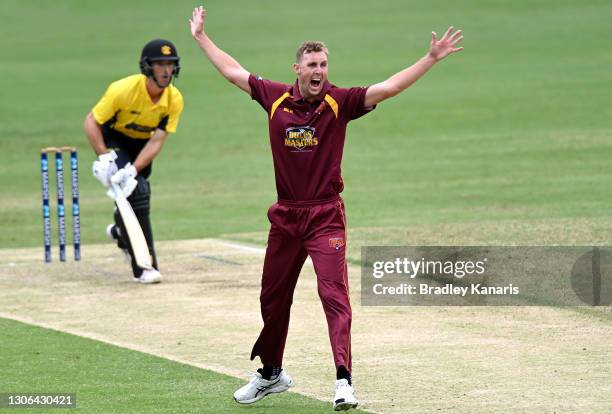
point(104, 167)
point(197, 21)
point(439, 49)
point(125, 178)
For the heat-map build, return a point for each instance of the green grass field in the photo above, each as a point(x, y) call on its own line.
point(515, 127)
point(108, 379)
point(505, 143)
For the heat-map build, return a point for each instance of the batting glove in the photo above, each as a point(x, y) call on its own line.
point(104, 168)
point(125, 178)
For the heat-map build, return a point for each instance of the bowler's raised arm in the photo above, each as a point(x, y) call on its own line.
point(397, 83)
point(225, 64)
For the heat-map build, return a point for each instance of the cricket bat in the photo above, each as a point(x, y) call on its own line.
point(134, 231)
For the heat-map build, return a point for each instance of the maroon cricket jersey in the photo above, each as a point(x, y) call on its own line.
point(307, 139)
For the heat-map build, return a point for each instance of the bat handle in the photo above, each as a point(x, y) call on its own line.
point(117, 190)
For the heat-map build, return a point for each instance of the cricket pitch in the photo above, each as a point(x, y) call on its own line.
point(417, 359)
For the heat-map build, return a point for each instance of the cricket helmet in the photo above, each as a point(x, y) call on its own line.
point(156, 50)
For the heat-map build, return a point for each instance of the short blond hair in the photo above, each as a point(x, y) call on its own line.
point(310, 46)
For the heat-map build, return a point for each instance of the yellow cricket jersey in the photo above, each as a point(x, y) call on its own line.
point(130, 110)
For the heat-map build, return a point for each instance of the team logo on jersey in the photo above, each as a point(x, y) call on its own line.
point(166, 50)
point(301, 139)
point(140, 128)
point(336, 242)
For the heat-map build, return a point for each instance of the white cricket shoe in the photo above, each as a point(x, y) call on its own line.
point(258, 387)
point(148, 277)
point(345, 396)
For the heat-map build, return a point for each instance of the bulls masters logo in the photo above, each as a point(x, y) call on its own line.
point(301, 139)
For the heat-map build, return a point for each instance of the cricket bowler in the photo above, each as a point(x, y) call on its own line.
point(127, 129)
point(307, 124)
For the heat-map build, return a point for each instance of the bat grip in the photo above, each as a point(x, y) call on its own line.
point(117, 190)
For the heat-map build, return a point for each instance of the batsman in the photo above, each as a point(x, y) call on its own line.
point(307, 123)
point(127, 129)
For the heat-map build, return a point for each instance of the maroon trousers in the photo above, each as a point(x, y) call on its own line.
point(298, 231)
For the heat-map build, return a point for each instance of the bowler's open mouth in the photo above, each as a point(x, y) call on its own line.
point(315, 82)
